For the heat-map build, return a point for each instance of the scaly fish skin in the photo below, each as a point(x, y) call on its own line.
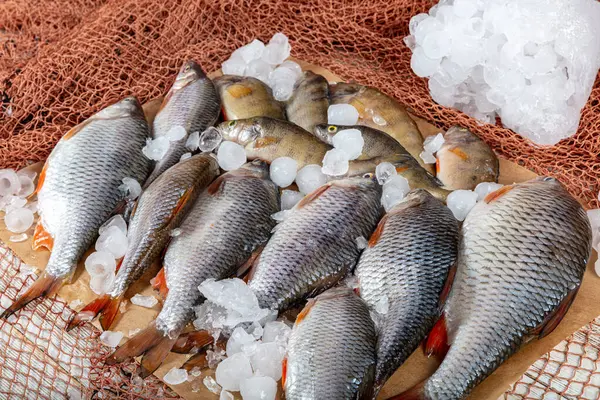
point(406, 265)
point(192, 103)
point(315, 246)
point(246, 97)
point(522, 256)
point(307, 107)
point(331, 351)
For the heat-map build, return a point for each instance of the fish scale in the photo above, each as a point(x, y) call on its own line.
point(520, 256)
point(407, 263)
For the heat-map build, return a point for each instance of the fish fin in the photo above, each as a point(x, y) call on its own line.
point(110, 312)
point(309, 198)
point(183, 200)
point(447, 285)
point(119, 263)
point(437, 340)
point(41, 178)
point(89, 312)
point(283, 371)
point(154, 357)
point(305, 311)
point(187, 342)
point(45, 286)
point(495, 195)
point(238, 90)
point(198, 360)
point(137, 345)
point(224, 113)
point(463, 156)
point(265, 141)
point(552, 320)
point(215, 186)
point(41, 238)
point(242, 271)
point(414, 393)
point(165, 101)
point(378, 232)
point(74, 130)
point(437, 166)
point(160, 283)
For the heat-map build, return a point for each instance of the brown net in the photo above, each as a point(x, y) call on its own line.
point(60, 61)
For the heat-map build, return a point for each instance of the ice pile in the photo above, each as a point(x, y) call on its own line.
point(231, 156)
point(347, 143)
point(267, 63)
point(283, 171)
point(15, 187)
point(431, 145)
point(532, 62)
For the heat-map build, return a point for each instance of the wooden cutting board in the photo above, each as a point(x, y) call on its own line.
point(585, 308)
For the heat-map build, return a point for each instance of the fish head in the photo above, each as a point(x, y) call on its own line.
point(364, 182)
point(342, 89)
point(241, 131)
point(127, 107)
point(189, 72)
point(326, 132)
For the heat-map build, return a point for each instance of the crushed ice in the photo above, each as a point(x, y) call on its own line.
point(155, 149)
point(175, 376)
point(144, 301)
point(110, 338)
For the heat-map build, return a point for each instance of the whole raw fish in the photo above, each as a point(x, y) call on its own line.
point(307, 107)
point(405, 268)
point(160, 209)
point(192, 104)
point(313, 248)
point(230, 220)
point(78, 189)
point(331, 351)
point(522, 255)
point(246, 97)
point(464, 161)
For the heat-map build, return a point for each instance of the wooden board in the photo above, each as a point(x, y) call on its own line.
point(585, 308)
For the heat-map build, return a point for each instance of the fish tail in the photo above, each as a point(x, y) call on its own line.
point(198, 360)
point(160, 283)
point(45, 286)
point(417, 392)
point(154, 357)
point(437, 340)
point(137, 345)
point(189, 341)
point(89, 312)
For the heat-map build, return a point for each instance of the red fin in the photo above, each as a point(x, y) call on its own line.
point(551, 321)
point(414, 393)
point(459, 153)
point(215, 186)
point(160, 283)
point(110, 313)
point(196, 361)
point(183, 200)
point(119, 263)
point(401, 169)
point(41, 238)
point(155, 356)
point(224, 113)
point(378, 232)
point(437, 166)
point(309, 198)
point(498, 193)
point(41, 178)
point(447, 285)
point(245, 267)
point(305, 311)
point(137, 345)
point(283, 371)
point(437, 341)
point(73, 131)
point(187, 342)
point(89, 312)
point(45, 286)
point(265, 141)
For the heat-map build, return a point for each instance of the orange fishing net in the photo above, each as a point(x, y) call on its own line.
point(60, 61)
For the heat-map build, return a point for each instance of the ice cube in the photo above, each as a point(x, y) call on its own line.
point(215, 356)
point(349, 141)
point(133, 332)
point(426, 26)
point(131, 188)
point(384, 171)
point(238, 338)
point(185, 156)
point(295, 67)
point(251, 51)
point(210, 139)
point(18, 238)
point(309, 178)
point(437, 45)
point(102, 284)
point(175, 376)
point(111, 339)
point(144, 301)
point(433, 143)
point(193, 141)
point(9, 182)
point(225, 395)
point(75, 303)
point(211, 384)
point(415, 20)
point(113, 240)
point(155, 149)
point(281, 215)
point(175, 232)
point(27, 186)
point(394, 191)
point(485, 188)
point(342, 114)
point(277, 50)
point(361, 243)
point(123, 306)
point(231, 156)
point(18, 220)
point(460, 203)
point(465, 8)
point(117, 221)
point(32, 205)
point(379, 120)
point(422, 65)
point(258, 388)
point(256, 330)
point(382, 306)
point(284, 73)
point(235, 65)
point(231, 371)
point(289, 198)
point(100, 263)
point(282, 90)
point(195, 372)
point(276, 331)
point(335, 162)
point(283, 171)
point(233, 294)
point(11, 202)
point(266, 360)
point(176, 133)
point(259, 69)
point(427, 158)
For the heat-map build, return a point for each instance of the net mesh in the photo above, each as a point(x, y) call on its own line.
point(61, 61)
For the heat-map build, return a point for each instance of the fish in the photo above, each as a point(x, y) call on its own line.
point(315, 246)
point(159, 210)
point(78, 189)
point(377, 143)
point(267, 138)
point(246, 97)
point(331, 350)
point(464, 160)
point(229, 221)
point(522, 254)
point(406, 266)
point(307, 107)
point(192, 103)
point(379, 111)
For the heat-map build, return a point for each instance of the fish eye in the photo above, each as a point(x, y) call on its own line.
point(368, 175)
point(187, 68)
point(231, 123)
point(331, 128)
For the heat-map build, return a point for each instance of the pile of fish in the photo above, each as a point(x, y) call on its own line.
point(366, 203)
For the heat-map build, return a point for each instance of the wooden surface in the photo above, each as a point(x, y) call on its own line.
point(585, 308)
